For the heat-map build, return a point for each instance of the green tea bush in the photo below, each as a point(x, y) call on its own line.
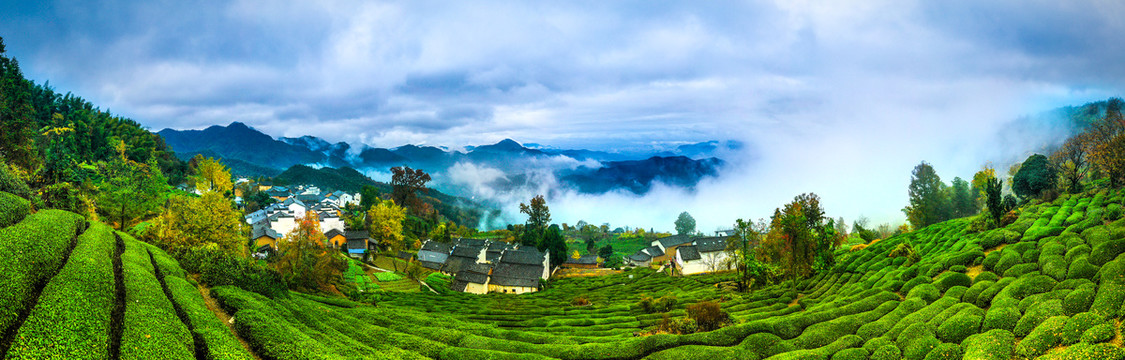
point(221, 344)
point(71, 320)
point(1007, 260)
point(1098, 333)
point(1036, 315)
point(1078, 324)
point(1002, 318)
point(991, 260)
point(1044, 337)
point(273, 338)
point(150, 327)
point(990, 345)
point(851, 354)
point(951, 279)
point(1078, 301)
point(12, 209)
point(388, 276)
point(1028, 285)
point(961, 326)
point(1020, 269)
point(32, 251)
point(1080, 268)
point(1074, 252)
point(1106, 251)
point(986, 276)
point(887, 352)
point(926, 292)
point(945, 351)
point(219, 268)
point(1108, 300)
point(1054, 266)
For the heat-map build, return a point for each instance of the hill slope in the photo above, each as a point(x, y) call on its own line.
point(78, 291)
point(1052, 279)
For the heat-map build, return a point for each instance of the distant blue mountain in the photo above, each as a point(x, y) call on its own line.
point(257, 153)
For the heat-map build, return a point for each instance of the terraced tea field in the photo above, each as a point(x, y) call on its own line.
point(1051, 285)
point(73, 290)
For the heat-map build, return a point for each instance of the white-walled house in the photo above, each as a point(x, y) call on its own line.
point(704, 255)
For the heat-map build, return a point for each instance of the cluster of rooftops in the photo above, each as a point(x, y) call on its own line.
point(484, 266)
point(691, 254)
point(274, 221)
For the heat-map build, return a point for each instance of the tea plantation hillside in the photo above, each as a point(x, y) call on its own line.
point(1050, 285)
point(76, 290)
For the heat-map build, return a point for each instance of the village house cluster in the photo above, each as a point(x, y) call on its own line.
point(269, 225)
point(485, 266)
point(690, 254)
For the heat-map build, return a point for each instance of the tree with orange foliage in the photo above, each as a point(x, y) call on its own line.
point(303, 258)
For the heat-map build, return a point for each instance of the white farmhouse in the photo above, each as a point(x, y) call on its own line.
point(704, 255)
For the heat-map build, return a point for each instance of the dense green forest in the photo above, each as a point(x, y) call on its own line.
point(53, 142)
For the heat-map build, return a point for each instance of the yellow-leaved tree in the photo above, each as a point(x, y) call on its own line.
point(303, 259)
point(385, 224)
point(211, 175)
point(207, 221)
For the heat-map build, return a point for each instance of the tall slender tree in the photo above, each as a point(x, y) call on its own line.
point(929, 200)
point(538, 217)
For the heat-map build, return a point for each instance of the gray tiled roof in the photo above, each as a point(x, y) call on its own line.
point(640, 257)
point(356, 234)
point(264, 231)
point(331, 233)
point(436, 246)
point(583, 260)
point(467, 251)
point(711, 244)
point(525, 256)
point(475, 273)
point(688, 253)
point(653, 251)
point(508, 274)
point(674, 240)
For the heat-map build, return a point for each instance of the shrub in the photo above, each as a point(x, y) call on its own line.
point(1020, 269)
point(958, 268)
point(219, 268)
point(1078, 250)
point(986, 276)
point(273, 338)
point(1080, 268)
point(1098, 333)
point(1007, 260)
point(1001, 318)
point(945, 351)
point(1036, 315)
point(951, 279)
point(851, 354)
point(1054, 266)
point(991, 260)
point(10, 183)
point(72, 318)
point(708, 315)
point(926, 292)
point(1077, 325)
point(1078, 301)
point(12, 209)
point(151, 328)
point(1044, 337)
point(1106, 251)
point(221, 344)
point(1112, 212)
point(1029, 285)
point(956, 329)
point(387, 276)
point(886, 352)
point(580, 300)
point(662, 304)
point(32, 251)
point(905, 250)
point(64, 196)
point(1107, 301)
point(990, 345)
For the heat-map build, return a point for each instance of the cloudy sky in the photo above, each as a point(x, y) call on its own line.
point(842, 98)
